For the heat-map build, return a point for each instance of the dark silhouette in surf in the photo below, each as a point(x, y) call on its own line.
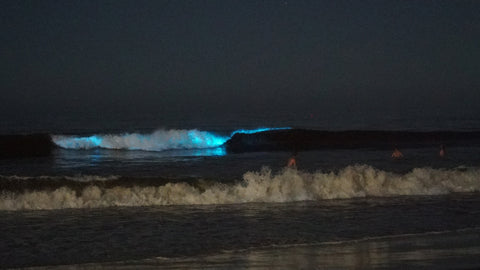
point(397, 154)
point(292, 161)
point(442, 151)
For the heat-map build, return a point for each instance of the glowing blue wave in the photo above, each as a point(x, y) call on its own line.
point(160, 140)
point(251, 131)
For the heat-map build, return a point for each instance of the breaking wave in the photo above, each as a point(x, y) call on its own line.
point(263, 186)
point(159, 140)
point(260, 139)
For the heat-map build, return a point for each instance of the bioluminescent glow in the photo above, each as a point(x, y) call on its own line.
point(217, 151)
point(78, 142)
point(251, 131)
point(159, 140)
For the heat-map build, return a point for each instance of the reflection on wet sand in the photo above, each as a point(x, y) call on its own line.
point(435, 251)
point(447, 250)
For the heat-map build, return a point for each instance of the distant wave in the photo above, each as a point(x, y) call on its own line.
point(159, 140)
point(263, 186)
point(305, 139)
point(261, 139)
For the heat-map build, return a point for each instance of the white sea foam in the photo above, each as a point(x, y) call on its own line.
point(263, 186)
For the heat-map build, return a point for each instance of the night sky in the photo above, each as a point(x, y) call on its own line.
point(240, 56)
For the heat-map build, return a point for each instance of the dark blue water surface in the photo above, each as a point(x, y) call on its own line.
point(172, 208)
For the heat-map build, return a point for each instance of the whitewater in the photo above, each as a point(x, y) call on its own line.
point(288, 185)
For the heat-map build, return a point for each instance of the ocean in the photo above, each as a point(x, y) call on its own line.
point(152, 191)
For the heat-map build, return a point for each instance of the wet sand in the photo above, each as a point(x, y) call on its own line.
point(440, 250)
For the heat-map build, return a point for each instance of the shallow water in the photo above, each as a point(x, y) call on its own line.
point(442, 250)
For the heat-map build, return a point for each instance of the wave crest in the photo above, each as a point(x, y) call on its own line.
point(262, 186)
point(159, 140)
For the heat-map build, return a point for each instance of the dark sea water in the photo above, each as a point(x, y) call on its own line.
point(150, 191)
